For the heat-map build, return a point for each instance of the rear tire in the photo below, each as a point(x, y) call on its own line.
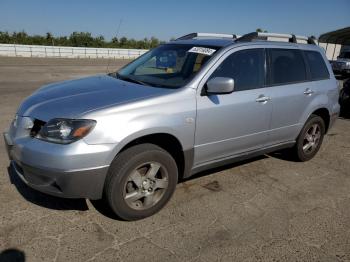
point(140, 181)
point(310, 139)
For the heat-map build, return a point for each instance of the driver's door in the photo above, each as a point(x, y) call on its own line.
point(230, 124)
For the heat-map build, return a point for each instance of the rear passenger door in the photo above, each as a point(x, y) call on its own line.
point(290, 92)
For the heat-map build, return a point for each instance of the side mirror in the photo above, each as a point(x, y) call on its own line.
point(220, 86)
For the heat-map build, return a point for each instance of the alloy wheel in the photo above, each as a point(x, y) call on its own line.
point(145, 186)
point(312, 139)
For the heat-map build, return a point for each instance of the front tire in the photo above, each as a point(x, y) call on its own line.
point(310, 139)
point(140, 181)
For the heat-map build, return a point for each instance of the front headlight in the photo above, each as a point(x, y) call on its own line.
point(65, 131)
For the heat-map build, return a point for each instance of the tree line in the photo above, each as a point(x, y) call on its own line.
point(80, 39)
point(77, 39)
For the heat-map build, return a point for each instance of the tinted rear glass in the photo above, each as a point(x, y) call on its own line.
point(318, 68)
point(286, 66)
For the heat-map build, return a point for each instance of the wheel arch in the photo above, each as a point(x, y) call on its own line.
point(324, 114)
point(168, 142)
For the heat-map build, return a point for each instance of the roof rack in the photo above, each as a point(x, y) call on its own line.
point(264, 36)
point(210, 35)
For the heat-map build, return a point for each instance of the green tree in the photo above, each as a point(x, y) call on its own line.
point(82, 39)
point(50, 39)
point(154, 42)
point(115, 42)
point(5, 38)
point(123, 42)
point(99, 41)
point(37, 40)
point(78, 39)
point(20, 38)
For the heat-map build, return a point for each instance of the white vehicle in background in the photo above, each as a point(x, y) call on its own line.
point(342, 65)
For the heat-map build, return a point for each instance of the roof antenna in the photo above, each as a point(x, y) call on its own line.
point(117, 34)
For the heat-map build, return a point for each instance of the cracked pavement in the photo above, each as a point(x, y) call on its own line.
point(265, 209)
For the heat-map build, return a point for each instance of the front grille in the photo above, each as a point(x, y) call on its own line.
point(339, 65)
point(38, 124)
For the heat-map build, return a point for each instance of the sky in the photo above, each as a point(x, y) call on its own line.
point(165, 19)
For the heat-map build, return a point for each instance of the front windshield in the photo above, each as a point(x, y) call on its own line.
point(344, 55)
point(169, 66)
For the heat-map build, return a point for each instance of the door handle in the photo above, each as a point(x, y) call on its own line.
point(308, 92)
point(262, 99)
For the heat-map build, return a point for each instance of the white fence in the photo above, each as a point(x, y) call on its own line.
point(332, 50)
point(14, 50)
point(68, 52)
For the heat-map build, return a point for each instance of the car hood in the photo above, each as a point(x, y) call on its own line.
point(71, 99)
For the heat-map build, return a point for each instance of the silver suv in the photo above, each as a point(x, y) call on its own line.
point(200, 101)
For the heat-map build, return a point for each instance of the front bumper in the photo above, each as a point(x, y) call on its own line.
point(76, 171)
point(341, 72)
point(341, 69)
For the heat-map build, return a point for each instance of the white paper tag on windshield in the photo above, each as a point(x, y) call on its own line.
point(202, 50)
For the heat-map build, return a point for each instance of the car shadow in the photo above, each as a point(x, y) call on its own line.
point(103, 208)
point(45, 200)
point(57, 203)
point(222, 168)
point(344, 112)
point(12, 255)
point(284, 154)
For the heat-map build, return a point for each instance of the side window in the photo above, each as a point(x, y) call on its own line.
point(318, 68)
point(286, 66)
point(246, 67)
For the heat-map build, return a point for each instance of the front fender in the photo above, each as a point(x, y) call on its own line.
point(174, 114)
point(141, 133)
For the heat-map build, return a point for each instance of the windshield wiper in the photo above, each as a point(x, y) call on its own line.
point(129, 79)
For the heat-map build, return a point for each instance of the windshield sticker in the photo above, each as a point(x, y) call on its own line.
point(202, 50)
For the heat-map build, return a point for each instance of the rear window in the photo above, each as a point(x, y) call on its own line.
point(286, 66)
point(318, 68)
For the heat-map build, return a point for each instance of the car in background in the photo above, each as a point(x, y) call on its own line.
point(341, 66)
point(344, 97)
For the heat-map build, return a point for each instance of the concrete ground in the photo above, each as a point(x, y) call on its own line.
point(266, 209)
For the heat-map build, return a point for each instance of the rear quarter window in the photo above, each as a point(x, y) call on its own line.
point(318, 68)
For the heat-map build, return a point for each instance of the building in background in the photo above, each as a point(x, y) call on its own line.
point(335, 42)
